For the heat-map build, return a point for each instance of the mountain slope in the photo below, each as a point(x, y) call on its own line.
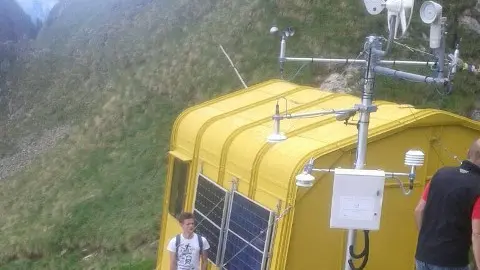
point(15, 25)
point(117, 72)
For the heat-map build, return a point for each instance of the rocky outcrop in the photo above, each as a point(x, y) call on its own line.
point(341, 82)
point(30, 148)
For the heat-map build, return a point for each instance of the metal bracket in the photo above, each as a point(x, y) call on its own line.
point(365, 108)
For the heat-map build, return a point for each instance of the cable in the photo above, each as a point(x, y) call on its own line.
point(404, 190)
point(364, 254)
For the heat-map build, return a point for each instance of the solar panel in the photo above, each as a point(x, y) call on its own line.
point(210, 200)
point(236, 258)
point(247, 236)
point(211, 232)
point(208, 210)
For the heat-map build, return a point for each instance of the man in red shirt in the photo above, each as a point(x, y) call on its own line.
point(448, 216)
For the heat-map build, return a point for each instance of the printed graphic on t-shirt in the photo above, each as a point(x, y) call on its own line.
point(185, 256)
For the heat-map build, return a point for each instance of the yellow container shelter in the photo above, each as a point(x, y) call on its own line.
point(242, 188)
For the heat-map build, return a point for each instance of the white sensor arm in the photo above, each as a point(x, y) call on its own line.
point(314, 114)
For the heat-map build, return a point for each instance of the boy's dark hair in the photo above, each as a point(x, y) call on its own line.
point(185, 215)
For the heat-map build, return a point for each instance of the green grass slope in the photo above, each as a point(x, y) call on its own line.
point(118, 72)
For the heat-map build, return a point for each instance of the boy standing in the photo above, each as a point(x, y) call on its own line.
point(187, 248)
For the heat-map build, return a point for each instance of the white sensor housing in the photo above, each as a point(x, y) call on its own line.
point(374, 7)
point(273, 30)
point(399, 10)
point(431, 13)
point(414, 158)
point(276, 137)
point(304, 179)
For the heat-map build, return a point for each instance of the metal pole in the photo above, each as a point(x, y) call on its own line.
point(318, 113)
point(440, 52)
point(325, 60)
point(408, 63)
point(367, 97)
point(282, 58)
point(226, 221)
point(359, 61)
point(410, 76)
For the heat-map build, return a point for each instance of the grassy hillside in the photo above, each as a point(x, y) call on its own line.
point(116, 73)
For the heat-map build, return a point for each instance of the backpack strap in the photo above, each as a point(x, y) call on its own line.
point(177, 244)
point(200, 243)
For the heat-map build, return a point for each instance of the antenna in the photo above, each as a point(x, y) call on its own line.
point(361, 183)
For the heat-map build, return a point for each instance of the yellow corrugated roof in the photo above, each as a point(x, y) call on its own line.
point(231, 131)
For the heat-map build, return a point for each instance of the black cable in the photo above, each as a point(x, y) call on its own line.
point(364, 254)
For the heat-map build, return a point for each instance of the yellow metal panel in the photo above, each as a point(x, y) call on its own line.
point(164, 221)
point(292, 128)
point(254, 100)
point(209, 170)
point(226, 138)
point(188, 127)
point(397, 223)
point(216, 136)
point(313, 245)
point(181, 118)
point(297, 101)
point(180, 155)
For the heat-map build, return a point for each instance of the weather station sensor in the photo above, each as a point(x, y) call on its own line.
point(374, 7)
point(431, 13)
point(357, 193)
point(399, 14)
point(357, 199)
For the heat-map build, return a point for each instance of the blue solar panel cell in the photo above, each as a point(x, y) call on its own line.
point(249, 220)
point(210, 200)
point(247, 234)
point(210, 232)
point(209, 204)
point(236, 258)
point(246, 237)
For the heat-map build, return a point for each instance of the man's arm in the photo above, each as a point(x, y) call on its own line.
point(171, 247)
point(421, 206)
point(204, 256)
point(173, 261)
point(476, 232)
point(204, 259)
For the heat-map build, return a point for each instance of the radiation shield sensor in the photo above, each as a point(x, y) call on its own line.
point(305, 179)
point(431, 13)
point(357, 199)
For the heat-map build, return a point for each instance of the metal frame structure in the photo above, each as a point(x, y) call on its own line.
point(268, 232)
point(373, 63)
point(226, 222)
point(225, 228)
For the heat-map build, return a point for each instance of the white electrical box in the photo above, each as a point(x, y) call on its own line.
point(357, 199)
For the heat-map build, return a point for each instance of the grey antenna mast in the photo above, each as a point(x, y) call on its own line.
point(399, 15)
